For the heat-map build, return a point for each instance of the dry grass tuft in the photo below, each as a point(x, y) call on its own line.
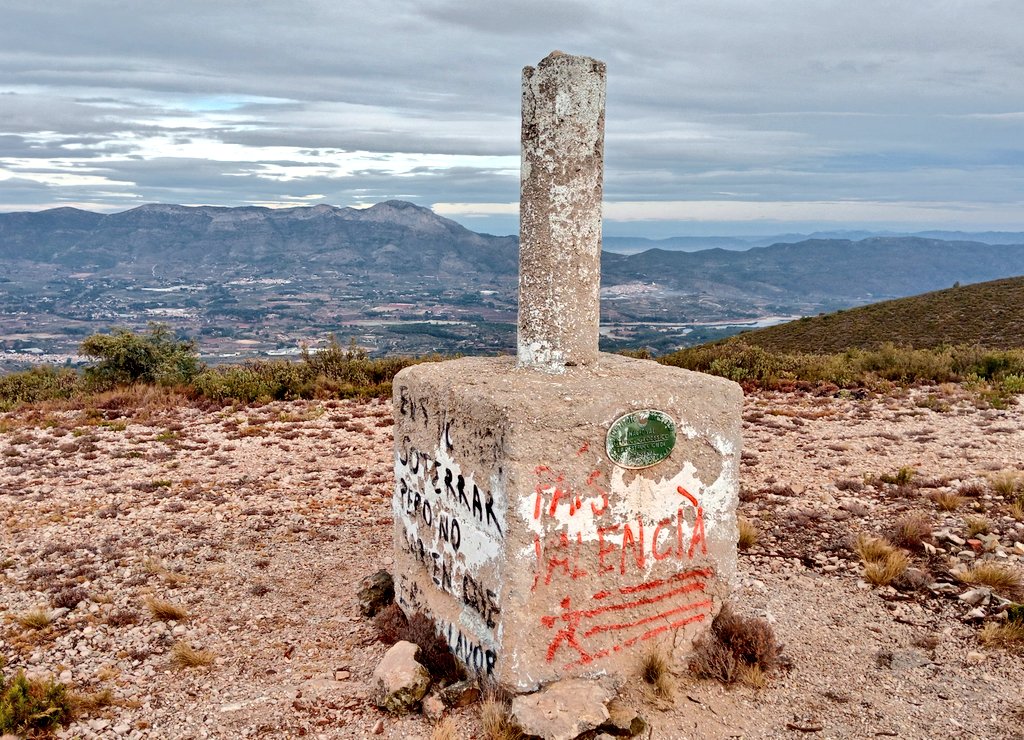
point(89, 703)
point(446, 729)
point(1016, 510)
point(884, 572)
point(752, 675)
point(872, 549)
point(947, 500)
point(749, 534)
point(1007, 482)
point(1010, 634)
point(883, 563)
point(654, 670)
point(166, 611)
point(496, 719)
point(184, 655)
point(912, 530)
point(978, 525)
point(37, 619)
point(1003, 579)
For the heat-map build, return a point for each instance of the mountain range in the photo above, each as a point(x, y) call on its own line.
point(400, 278)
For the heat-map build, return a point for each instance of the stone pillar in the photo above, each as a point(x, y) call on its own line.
point(560, 212)
point(560, 523)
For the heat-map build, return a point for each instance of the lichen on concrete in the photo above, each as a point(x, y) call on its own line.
point(560, 212)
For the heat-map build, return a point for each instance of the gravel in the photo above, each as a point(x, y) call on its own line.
point(261, 522)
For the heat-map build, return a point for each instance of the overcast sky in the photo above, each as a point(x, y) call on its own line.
point(723, 116)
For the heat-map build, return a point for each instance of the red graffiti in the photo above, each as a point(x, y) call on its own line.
point(590, 548)
point(624, 547)
point(550, 484)
point(680, 584)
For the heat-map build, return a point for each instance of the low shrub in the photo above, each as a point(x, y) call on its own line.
point(735, 645)
point(124, 357)
point(856, 368)
point(32, 706)
point(42, 383)
point(901, 477)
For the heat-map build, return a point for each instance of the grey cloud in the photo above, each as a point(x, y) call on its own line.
point(781, 100)
point(523, 17)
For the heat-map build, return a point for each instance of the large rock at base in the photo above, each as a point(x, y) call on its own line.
point(623, 720)
point(399, 681)
point(563, 710)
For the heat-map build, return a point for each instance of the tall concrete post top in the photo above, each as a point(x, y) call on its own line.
point(561, 184)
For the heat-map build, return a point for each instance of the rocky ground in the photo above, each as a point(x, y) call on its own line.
point(259, 523)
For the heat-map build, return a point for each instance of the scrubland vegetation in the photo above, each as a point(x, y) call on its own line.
point(993, 374)
point(158, 359)
point(987, 314)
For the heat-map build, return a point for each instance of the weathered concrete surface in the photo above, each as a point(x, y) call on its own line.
point(539, 558)
point(561, 183)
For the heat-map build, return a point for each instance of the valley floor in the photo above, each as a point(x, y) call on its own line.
point(261, 522)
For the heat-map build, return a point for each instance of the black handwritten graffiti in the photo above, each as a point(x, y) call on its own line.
point(451, 577)
point(447, 482)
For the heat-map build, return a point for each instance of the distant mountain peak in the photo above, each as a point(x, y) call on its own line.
point(408, 214)
point(400, 205)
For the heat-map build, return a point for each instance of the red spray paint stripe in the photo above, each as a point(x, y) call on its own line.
point(633, 640)
point(646, 620)
point(658, 630)
point(644, 601)
point(705, 573)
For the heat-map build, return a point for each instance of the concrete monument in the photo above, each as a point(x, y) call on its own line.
point(560, 512)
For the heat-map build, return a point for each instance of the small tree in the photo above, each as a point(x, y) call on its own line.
point(125, 357)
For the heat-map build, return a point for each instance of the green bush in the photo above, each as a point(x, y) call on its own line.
point(30, 705)
point(125, 357)
point(43, 383)
point(331, 372)
point(1013, 384)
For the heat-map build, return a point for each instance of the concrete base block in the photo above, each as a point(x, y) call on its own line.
point(539, 557)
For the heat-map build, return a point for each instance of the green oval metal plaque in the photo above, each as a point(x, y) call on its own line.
point(641, 439)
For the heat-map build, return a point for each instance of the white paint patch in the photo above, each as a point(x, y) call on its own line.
point(450, 496)
point(650, 500)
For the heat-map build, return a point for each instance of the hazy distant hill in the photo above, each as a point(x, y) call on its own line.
point(394, 238)
point(635, 245)
point(823, 270)
point(399, 241)
point(990, 314)
point(401, 279)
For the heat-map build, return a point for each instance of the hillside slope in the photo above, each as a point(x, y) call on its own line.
point(989, 314)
